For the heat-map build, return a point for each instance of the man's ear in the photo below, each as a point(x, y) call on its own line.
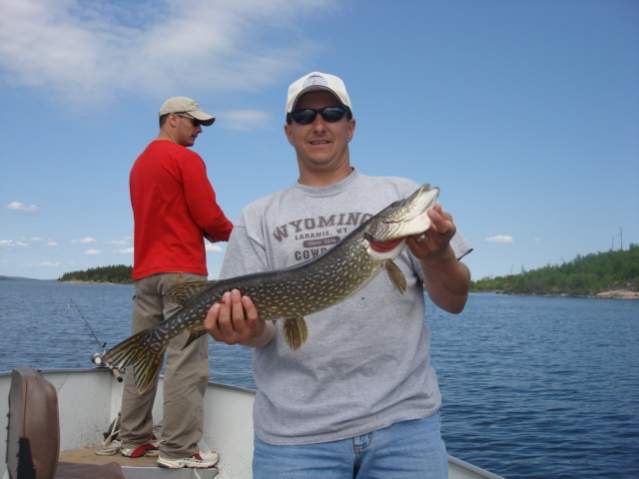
point(351, 131)
point(288, 132)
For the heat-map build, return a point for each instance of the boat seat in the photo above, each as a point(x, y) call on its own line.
point(33, 436)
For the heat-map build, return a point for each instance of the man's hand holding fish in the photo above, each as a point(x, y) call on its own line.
point(446, 279)
point(234, 320)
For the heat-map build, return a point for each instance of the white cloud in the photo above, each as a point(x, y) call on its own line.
point(244, 119)
point(123, 246)
point(13, 243)
point(52, 243)
point(92, 252)
point(49, 264)
point(213, 248)
point(89, 51)
point(499, 239)
point(19, 206)
point(120, 242)
point(85, 240)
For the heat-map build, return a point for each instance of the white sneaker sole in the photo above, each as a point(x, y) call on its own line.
point(188, 463)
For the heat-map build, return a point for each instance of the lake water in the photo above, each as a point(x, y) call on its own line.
point(533, 387)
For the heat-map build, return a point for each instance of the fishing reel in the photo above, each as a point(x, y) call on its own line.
point(98, 360)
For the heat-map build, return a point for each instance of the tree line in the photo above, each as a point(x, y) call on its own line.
point(585, 275)
point(118, 273)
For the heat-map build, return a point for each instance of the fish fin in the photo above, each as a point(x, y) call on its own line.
point(181, 293)
point(295, 332)
point(396, 276)
point(143, 352)
point(196, 333)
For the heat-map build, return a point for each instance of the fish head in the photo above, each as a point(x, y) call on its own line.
point(387, 231)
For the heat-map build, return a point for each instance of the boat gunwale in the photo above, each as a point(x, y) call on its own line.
point(104, 370)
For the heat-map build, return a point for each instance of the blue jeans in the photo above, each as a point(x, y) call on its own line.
point(405, 450)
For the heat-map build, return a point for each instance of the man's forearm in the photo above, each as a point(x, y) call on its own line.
point(447, 281)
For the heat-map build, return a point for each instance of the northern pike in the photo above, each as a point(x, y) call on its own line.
point(288, 294)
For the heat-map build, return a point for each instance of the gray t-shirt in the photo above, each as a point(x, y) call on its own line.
point(366, 363)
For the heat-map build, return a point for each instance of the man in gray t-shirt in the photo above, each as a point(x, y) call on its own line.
point(362, 382)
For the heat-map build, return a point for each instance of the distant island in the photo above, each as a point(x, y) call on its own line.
point(118, 274)
point(612, 274)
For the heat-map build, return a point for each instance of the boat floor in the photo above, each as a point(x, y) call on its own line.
point(135, 468)
point(87, 455)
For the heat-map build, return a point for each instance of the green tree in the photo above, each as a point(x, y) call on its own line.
point(584, 275)
point(119, 273)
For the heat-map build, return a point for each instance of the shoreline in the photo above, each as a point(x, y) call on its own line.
point(82, 281)
point(622, 294)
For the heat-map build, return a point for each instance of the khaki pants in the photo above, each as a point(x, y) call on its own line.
point(185, 376)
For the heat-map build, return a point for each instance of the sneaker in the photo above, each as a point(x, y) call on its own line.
point(196, 461)
point(147, 449)
point(109, 448)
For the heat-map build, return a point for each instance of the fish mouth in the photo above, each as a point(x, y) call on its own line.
point(403, 219)
point(383, 246)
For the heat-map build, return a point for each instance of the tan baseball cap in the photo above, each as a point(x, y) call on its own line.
point(183, 104)
point(317, 81)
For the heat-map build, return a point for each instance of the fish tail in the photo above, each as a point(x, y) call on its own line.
point(143, 352)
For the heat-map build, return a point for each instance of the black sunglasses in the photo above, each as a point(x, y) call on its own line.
point(194, 121)
point(307, 116)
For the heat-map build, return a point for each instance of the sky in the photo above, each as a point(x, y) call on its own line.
point(524, 113)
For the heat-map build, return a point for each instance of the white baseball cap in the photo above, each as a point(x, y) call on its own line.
point(182, 104)
point(317, 81)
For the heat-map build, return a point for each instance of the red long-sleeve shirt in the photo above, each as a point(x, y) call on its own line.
point(173, 208)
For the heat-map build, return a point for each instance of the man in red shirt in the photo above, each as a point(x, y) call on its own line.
point(174, 209)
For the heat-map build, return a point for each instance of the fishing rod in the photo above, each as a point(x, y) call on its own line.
point(96, 358)
point(101, 345)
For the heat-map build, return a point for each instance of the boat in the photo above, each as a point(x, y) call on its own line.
point(88, 402)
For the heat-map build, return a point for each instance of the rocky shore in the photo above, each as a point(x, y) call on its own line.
point(610, 294)
point(618, 294)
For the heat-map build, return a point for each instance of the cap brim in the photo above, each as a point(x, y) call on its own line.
point(311, 88)
point(204, 118)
